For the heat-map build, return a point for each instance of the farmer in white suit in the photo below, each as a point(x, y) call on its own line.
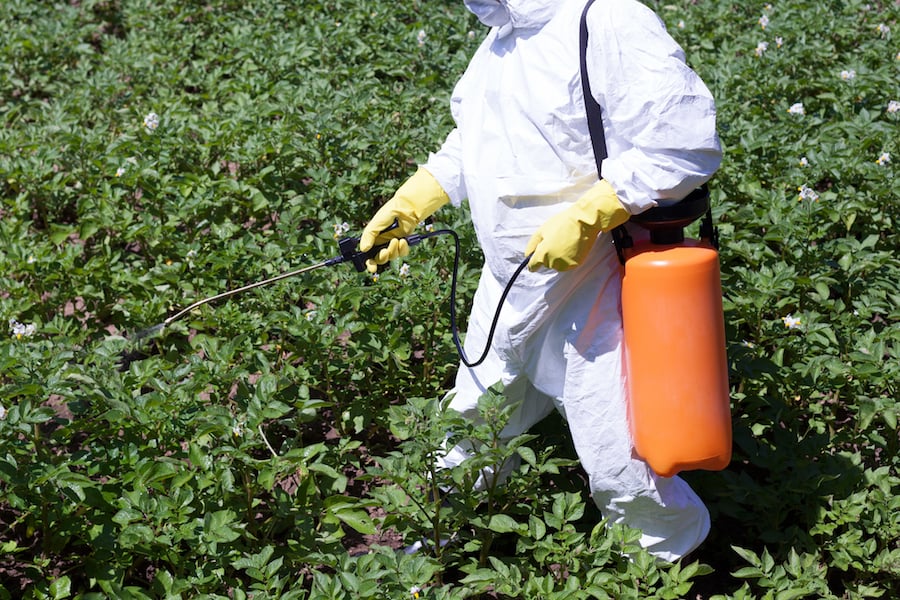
point(521, 153)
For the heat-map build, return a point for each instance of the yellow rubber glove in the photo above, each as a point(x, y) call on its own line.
point(564, 241)
point(417, 199)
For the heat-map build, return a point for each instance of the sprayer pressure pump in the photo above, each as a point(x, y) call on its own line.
point(676, 366)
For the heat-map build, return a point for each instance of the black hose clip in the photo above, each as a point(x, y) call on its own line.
point(622, 241)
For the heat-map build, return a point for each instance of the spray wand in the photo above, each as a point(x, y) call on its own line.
point(349, 252)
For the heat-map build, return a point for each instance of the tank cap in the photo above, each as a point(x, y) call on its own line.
point(666, 223)
point(680, 214)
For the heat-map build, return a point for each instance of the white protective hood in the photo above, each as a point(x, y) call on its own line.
point(520, 14)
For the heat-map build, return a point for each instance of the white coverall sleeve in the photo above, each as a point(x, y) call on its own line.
point(445, 166)
point(659, 117)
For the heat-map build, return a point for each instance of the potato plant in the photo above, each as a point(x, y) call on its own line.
point(280, 443)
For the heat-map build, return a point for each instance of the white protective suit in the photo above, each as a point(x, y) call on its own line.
point(520, 153)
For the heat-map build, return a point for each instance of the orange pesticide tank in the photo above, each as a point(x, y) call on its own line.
point(677, 371)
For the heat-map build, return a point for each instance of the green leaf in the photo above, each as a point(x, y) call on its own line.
point(358, 520)
point(503, 524)
point(61, 588)
point(748, 572)
point(527, 455)
point(135, 535)
point(793, 594)
point(536, 527)
point(348, 511)
point(748, 555)
point(867, 409)
point(221, 526)
point(58, 234)
point(890, 418)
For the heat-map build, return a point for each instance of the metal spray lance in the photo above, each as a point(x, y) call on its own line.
point(349, 252)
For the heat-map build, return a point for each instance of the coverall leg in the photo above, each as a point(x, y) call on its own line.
point(671, 516)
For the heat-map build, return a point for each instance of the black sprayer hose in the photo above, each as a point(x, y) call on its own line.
point(453, 326)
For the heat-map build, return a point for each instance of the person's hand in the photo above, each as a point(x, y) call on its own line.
point(565, 239)
point(413, 202)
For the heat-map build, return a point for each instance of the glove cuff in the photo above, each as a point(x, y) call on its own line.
point(599, 208)
point(421, 195)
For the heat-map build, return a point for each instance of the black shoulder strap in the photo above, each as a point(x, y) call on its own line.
point(594, 116)
point(620, 235)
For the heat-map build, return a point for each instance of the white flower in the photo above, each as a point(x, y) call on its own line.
point(767, 8)
point(421, 37)
point(797, 109)
point(310, 315)
point(471, 35)
point(884, 159)
point(31, 260)
point(2, 412)
point(404, 270)
point(151, 121)
point(237, 429)
point(120, 171)
point(804, 162)
point(747, 344)
point(893, 106)
point(898, 56)
point(848, 75)
point(791, 322)
point(20, 330)
point(681, 24)
point(761, 47)
point(340, 229)
point(414, 591)
point(807, 193)
point(375, 277)
point(763, 21)
point(779, 41)
point(884, 30)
